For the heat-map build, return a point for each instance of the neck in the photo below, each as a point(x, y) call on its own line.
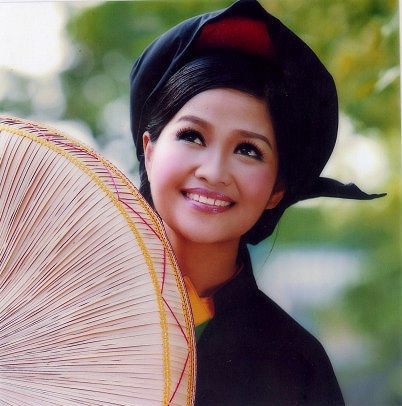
point(209, 266)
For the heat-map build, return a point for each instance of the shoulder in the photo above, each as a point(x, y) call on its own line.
point(268, 317)
point(274, 333)
point(270, 321)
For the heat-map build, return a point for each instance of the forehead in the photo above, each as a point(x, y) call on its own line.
point(228, 107)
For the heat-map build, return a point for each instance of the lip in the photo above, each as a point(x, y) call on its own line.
point(208, 201)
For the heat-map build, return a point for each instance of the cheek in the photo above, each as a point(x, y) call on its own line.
point(166, 170)
point(258, 185)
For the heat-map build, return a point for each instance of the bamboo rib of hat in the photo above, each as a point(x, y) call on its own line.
point(93, 310)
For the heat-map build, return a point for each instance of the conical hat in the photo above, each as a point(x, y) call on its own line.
point(93, 309)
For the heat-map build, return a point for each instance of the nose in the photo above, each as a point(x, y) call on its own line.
point(214, 169)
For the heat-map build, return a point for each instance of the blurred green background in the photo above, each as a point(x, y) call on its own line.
point(334, 265)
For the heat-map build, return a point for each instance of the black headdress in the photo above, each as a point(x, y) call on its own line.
point(307, 109)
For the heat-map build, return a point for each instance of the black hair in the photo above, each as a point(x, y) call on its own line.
point(223, 69)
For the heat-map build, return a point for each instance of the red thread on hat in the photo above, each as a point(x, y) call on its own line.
point(239, 33)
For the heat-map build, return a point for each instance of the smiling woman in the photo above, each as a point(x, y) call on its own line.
point(234, 118)
point(205, 149)
point(200, 171)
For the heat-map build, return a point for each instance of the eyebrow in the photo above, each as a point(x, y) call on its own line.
point(195, 120)
point(244, 133)
point(250, 134)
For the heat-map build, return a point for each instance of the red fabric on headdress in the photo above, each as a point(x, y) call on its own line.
point(239, 33)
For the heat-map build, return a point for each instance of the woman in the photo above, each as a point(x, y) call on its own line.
point(234, 118)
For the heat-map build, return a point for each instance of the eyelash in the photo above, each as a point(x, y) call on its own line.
point(190, 135)
point(254, 149)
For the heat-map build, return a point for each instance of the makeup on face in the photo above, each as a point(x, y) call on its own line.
point(213, 169)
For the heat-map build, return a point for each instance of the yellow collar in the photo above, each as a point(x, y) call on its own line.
point(203, 307)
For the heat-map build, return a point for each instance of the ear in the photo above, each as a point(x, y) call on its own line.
point(276, 196)
point(147, 146)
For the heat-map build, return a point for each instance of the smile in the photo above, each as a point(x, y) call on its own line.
point(208, 200)
point(212, 200)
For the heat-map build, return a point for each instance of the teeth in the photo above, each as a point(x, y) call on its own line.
point(207, 200)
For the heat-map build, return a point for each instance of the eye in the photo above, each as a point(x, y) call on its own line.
point(191, 136)
point(249, 150)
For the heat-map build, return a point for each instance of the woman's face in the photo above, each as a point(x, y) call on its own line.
point(213, 168)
